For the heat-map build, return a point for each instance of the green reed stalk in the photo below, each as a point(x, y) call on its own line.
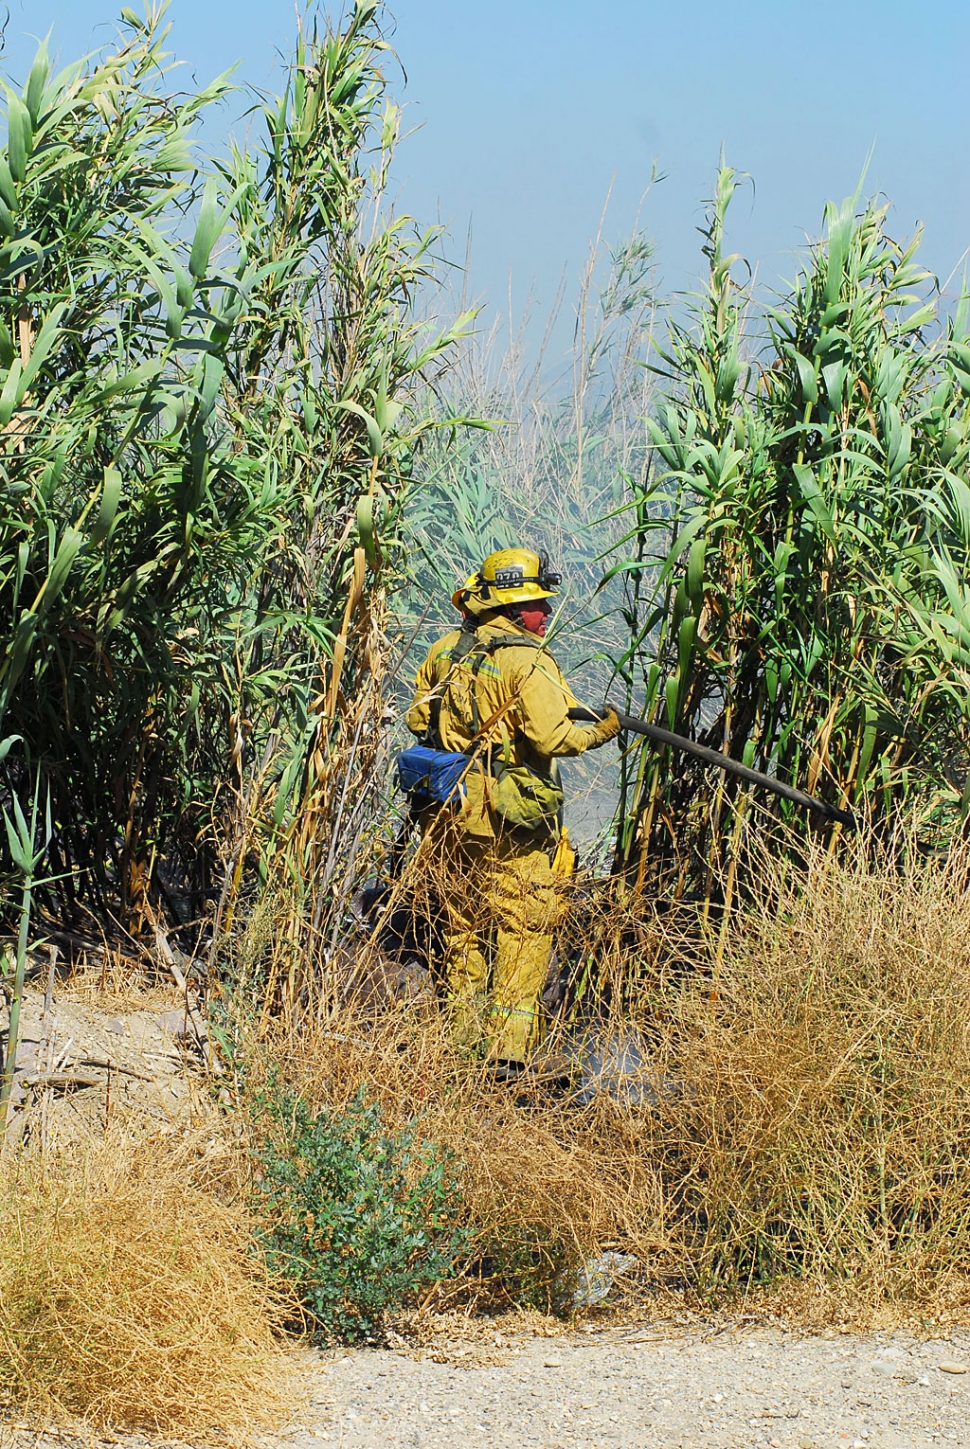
point(210, 380)
point(795, 561)
point(26, 856)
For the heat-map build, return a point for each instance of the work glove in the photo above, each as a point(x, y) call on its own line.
point(607, 729)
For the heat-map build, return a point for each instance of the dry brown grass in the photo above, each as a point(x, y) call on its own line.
point(538, 1185)
point(812, 1128)
point(822, 1126)
point(130, 1298)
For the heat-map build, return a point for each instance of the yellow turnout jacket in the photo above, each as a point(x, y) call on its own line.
point(513, 698)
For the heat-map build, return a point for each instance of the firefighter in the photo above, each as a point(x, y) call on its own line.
point(491, 691)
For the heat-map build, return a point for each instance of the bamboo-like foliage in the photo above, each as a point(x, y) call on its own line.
point(206, 402)
point(548, 470)
point(549, 463)
point(796, 560)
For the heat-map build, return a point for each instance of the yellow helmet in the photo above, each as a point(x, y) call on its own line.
point(508, 576)
point(464, 598)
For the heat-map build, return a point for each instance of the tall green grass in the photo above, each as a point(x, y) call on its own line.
point(796, 559)
point(562, 434)
point(208, 403)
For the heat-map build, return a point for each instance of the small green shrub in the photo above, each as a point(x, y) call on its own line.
point(528, 1265)
point(359, 1218)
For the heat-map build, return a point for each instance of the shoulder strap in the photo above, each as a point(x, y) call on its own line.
point(512, 642)
point(467, 641)
point(480, 658)
point(487, 647)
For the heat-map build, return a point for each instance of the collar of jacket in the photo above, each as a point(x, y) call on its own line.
point(501, 624)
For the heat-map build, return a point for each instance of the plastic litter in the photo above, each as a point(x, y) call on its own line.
point(598, 1276)
point(617, 1062)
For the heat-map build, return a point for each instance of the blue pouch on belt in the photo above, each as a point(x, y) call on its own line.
point(434, 774)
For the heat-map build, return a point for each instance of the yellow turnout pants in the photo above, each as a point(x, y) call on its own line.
point(501, 900)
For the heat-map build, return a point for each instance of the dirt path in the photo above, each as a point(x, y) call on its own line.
point(650, 1390)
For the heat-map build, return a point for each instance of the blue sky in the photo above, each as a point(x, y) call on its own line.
point(530, 111)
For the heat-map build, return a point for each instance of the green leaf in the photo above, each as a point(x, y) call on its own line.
point(213, 370)
point(20, 137)
point(11, 392)
point(682, 542)
point(686, 636)
point(671, 697)
point(807, 378)
point(8, 190)
point(43, 343)
point(18, 651)
point(7, 745)
point(67, 552)
point(18, 852)
point(212, 220)
point(375, 441)
point(812, 495)
point(184, 287)
point(900, 449)
point(834, 378)
point(110, 498)
point(868, 742)
point(210, 224)
point(36, 81)
point(695, 569)
point(366, 529)
point(145, 373)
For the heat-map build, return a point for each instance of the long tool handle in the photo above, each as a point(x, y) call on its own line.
point(723, 762)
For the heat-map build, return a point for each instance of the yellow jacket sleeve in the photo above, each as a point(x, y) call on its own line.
point(542, 703)
point(426, 683)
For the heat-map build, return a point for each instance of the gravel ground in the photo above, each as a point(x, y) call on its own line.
point(649, 1389)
